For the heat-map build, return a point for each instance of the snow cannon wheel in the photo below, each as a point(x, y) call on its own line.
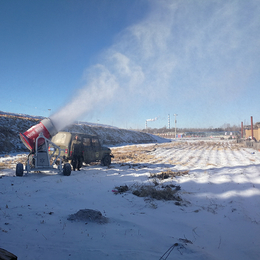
point(66, 169)
point(19, 169)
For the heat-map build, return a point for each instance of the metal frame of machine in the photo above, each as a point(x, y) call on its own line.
point(42, 159)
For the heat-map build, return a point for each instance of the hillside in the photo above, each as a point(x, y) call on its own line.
point(12, 124)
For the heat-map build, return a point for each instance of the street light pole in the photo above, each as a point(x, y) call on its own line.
point(175, 124)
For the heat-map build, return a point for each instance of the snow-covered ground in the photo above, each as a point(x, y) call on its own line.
point(218, 217)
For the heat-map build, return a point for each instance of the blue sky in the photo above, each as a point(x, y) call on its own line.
point(122, 62)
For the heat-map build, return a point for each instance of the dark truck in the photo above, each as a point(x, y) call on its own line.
point(92, 150)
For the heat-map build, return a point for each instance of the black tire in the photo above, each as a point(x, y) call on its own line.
point(19, 169)
point(66, 169)
point(106, 161)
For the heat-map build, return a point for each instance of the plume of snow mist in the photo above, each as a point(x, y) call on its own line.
point(99, 90)
point(194, 50)
point(128, 68)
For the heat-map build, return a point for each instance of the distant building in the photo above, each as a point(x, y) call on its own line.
point(256, 132)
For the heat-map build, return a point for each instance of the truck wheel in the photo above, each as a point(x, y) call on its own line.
point(19, 169)
point(66, 169)
point(106, 160)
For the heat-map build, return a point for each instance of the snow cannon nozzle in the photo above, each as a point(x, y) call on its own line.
point(46, 127)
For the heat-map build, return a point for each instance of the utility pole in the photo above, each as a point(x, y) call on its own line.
point(252, 128)
point(175, 124)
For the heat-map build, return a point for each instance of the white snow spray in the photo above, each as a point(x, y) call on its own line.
point(98, 92)
point(192, 49)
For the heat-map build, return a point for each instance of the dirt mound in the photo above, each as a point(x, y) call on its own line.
point(164, 193)
point(88, 215)
point(161, 192)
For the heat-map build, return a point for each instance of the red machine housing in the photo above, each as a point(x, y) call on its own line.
point(46, 127)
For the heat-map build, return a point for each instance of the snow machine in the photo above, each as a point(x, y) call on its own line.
point(37, 140)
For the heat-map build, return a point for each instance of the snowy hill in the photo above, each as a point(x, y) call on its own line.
point(13, 124)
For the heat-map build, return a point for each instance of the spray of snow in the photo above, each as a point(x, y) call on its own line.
point(197, 45)
point(98, 92)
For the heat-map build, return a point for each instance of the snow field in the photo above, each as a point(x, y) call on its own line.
point(218, 218)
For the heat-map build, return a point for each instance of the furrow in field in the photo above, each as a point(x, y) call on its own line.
point(209, 157)
point(213, 160)
point(167, 154)
point(233, 157)
point(193, 157)
point(239, 159)
point(181, 157)
point(249, 156)
point(223, 160)
point(189, 155)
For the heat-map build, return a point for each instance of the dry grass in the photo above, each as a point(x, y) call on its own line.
point(133, 154)
point(168, 192)
point(11, 163)
point(2, 166)
point(168, 174)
